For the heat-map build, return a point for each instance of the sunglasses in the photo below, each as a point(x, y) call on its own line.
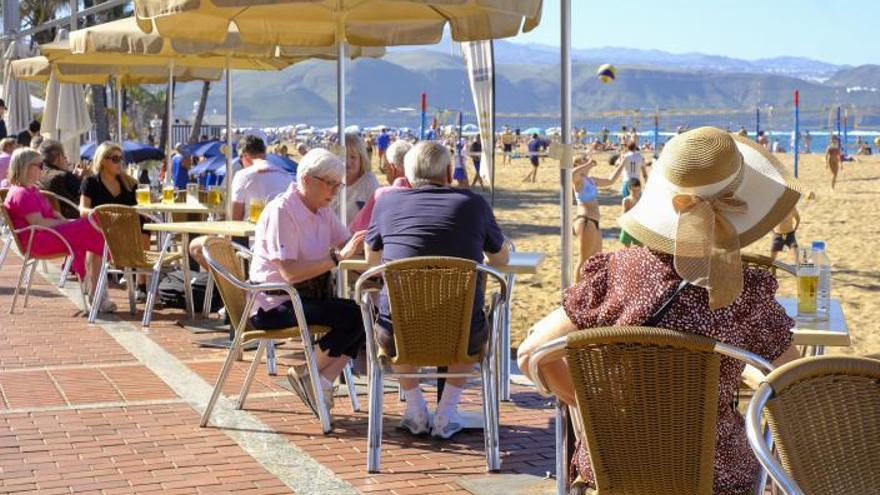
point(115, 158)
point(332, 185)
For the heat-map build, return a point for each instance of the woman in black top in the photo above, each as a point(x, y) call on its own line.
point(476, 152)
point(109, 184)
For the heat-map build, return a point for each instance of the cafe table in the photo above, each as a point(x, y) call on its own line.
point(520, 263)
point(168, 209)
point(813, 334)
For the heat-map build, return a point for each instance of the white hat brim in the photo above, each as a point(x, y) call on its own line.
point(767, 188)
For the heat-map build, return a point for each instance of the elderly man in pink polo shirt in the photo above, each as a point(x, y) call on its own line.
point(394, 173)
point(298, 241)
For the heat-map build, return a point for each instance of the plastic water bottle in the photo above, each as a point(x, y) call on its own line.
point(823, 291)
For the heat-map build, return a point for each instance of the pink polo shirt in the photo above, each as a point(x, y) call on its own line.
point(362, 220)
point(288, 230)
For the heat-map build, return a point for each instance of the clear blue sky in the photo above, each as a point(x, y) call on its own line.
point(747, 29)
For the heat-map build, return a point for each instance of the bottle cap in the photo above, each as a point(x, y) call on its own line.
point(818, 245)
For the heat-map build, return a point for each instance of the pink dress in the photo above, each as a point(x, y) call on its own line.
point(626, 287)
point(82, 237)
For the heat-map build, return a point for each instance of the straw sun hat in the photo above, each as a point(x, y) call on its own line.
point(709, 194)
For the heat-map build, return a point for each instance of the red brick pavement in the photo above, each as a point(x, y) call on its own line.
point(159, 447)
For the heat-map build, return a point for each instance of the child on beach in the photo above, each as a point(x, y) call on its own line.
point(635, 192)
point(784, 235)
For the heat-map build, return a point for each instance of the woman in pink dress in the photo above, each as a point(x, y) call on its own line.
point(27, 206)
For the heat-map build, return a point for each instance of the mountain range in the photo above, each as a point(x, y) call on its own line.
point(527, 86)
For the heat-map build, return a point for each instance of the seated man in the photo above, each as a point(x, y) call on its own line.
point(298, 241)
point(258, 179)
point(433, 219)
point(395, 176)
point(57, 178)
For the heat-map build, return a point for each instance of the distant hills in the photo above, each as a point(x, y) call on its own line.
point(528, 85)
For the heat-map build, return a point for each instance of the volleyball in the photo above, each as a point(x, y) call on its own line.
point(606, 73)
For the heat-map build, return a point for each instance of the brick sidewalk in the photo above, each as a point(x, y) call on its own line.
point(109, 408)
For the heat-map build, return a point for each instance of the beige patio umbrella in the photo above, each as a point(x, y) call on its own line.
point(123, 42)
point(38, 69)
point(341, 22)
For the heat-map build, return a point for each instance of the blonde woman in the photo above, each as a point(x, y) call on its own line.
point(109, 184)
point(360, 182)
point(27, 206)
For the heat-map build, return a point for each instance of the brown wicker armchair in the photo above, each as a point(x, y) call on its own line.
point(239, 297)
point(766, 263)
point(123, 249)
point(647, 406)
point(824, 416)
point(432, 299)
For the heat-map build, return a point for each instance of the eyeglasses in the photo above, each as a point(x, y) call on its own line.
point(115, 158)
point(332, 185)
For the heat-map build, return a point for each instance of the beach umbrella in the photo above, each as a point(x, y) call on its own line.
point(216, 164)
point(208, 149)
point(65, 116)
point(378, 23)
point(533, 130)
point(16, 93)
point(134, 152)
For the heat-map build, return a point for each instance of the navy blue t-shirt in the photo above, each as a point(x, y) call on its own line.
point(181, 173)
point(434, 221)
point(383, 141)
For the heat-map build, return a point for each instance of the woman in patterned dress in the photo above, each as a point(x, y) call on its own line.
point(710, 190)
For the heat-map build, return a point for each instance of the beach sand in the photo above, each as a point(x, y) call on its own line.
point(848, 220)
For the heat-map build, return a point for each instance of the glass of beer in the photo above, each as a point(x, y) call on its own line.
point(214, 196)
point(807, 284)
point(256, 209)
point(143, 195)
point(168, 194)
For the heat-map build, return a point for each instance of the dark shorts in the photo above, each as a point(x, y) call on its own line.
point(535, 160)
point(507, 147)
point(343, 316)
point(781, 241)
point(385, 336)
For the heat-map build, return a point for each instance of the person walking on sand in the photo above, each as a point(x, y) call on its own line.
point(507, 140)
point(784, 235)
point(534, 146)
point(808, 142)
point(832, 159)
point(476, 152)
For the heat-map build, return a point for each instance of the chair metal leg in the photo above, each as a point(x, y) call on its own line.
point(374, 425)
point(24, 267)
point(98, 293)
point(561, 448)
point(218, 387)
point(30, 280)
point(65, 269)
point(131, 283)
point(187, 285)
point(209, 296)
point(490, 431)
point(151, 297)
point(352, 390)
point(315, 379)
point(6, 246)
point(400, 395)
point(45, 266)
point(271, 363)
point(252, 370)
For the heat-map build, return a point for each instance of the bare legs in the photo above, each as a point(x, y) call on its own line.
point(589, 240)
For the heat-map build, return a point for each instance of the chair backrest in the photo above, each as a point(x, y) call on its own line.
point(122, 231)
point(824, 414)
point(648, 401)
point(765, 262)
point(52, 198)
point(221, 251)
point(7, 220)
point(432, 300)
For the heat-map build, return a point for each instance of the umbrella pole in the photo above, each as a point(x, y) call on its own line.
point(228, 152)
point(342, 48)
point(565, 167)
point(169, 97)
point(119, 136)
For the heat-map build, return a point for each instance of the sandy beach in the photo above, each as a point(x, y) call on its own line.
point(846, 219)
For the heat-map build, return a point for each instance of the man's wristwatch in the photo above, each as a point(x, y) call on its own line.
point(334, 256)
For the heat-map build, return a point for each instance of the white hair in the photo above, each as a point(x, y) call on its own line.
point(427, 161)
point(320, 162)
point(397, 151)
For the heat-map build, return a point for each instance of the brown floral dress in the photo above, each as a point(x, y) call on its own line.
point(628, 286)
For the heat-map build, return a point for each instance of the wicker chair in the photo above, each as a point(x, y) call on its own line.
point(124, 250)
point(29, 264)
point(647, 406)
point(432, 300)
point(239, 298)
point(766, 263)
point(824, 416)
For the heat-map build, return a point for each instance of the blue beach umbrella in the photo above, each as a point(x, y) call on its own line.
point(207, 149)
point(533, 130)
point(134, 152)
point(217, 165)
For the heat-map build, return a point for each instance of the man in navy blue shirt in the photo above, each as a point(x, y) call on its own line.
point(180, 166)
point(433, 219)
point(535, 146)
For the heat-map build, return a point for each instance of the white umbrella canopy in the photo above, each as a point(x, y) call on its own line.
point(16, 93)
point(324, 22)
point(65, 116)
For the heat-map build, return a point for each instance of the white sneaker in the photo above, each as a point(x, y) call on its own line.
point(417, 423)
point(446, 424)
